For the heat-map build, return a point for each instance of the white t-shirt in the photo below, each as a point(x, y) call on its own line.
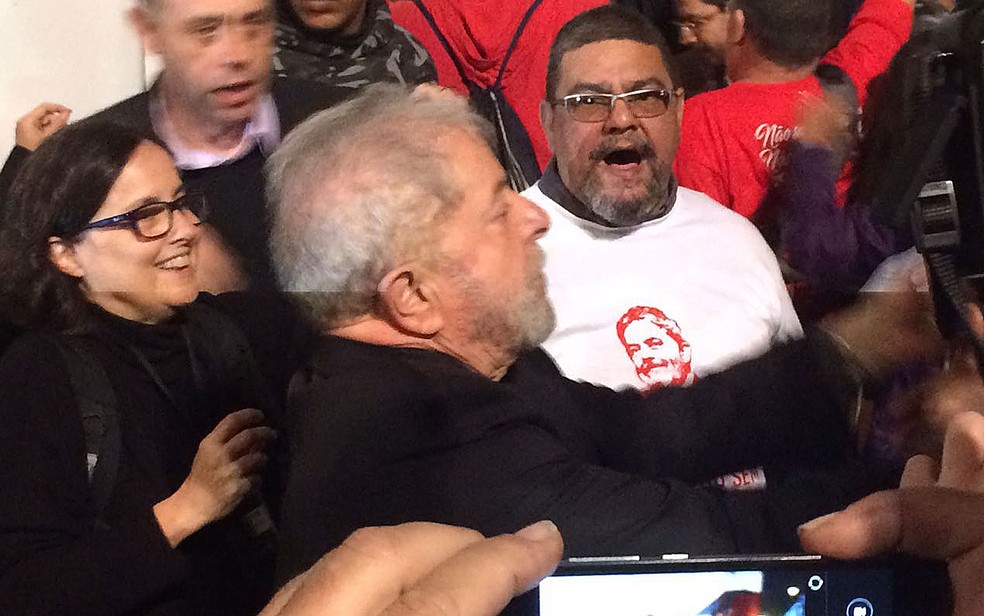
point(668, 301)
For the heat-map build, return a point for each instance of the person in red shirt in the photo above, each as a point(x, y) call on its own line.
point(733, 139)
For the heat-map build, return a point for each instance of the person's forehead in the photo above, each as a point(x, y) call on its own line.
point(186, 9)
point(615, 64)
point(695, 8)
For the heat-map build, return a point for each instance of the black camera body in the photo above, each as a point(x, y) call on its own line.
point(936, 183)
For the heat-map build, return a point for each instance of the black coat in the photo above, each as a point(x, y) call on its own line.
point(57, 556)
point(382, 435)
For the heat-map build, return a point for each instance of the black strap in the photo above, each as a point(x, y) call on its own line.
point(429, 18)
point(515, 39)
point(97, 404)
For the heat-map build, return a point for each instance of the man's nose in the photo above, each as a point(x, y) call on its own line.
point(537, 218)
point(237, 46)
point(621, 117)
point(687, 36)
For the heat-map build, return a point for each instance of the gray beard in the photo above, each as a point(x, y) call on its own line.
point(518, 323)
point(656, 202)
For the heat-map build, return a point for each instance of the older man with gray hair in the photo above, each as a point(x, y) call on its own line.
point(428, 398)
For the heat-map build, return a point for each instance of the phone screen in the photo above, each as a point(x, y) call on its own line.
point(758, 586)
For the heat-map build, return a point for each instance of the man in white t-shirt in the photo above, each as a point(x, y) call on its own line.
point(653, 284)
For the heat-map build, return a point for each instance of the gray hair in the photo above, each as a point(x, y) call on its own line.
point(358, 188)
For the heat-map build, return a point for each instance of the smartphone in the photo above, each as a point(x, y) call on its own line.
point(768, 585)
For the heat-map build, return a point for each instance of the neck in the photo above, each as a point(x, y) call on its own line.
point(489, 362)
point(757, 69)
point(196, 132)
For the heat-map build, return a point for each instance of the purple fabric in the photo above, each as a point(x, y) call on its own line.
point(832, 247)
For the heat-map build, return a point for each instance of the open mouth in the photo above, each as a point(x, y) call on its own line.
point(177, 262)
point(236, 94)
point(623, 157)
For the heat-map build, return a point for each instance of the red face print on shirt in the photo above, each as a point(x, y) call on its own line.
point(656, 346)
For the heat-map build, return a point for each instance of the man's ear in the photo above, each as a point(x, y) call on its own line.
point(410, 302)
point(145, 23)
point(736, 26)
point(62, 254)
point(546, 121)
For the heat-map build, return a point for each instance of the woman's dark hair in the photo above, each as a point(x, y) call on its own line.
point(56, 193)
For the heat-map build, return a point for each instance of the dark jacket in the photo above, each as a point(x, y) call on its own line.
point(57, 556)
point(384, 435)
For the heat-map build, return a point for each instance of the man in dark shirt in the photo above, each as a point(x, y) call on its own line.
point(218, 111)
point(428, 398)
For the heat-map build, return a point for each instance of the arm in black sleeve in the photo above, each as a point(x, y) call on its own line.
point(790, 405)
point(9, 171)
point(54, 557)
point(601, 511)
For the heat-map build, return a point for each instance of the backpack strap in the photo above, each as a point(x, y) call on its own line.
point(429, 18)
point(515, 39)
point(222, 343)
point(514, 149)
point(96, 400)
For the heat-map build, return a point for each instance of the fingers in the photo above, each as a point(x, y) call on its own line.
point(940, 522)
point(373, 567)
point(962, 466)
point(868, 527)
point(931, 522)
point(40, 123)
point(234, 423)
point(920, 471)
point(506, 566)
point(421, 568)
point(250, 440)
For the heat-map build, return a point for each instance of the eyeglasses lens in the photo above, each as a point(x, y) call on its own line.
point(597, 108)
point(154, 220)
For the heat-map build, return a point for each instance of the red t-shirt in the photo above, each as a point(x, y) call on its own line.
point(733, 139)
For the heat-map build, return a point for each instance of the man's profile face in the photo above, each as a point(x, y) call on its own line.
point(491, 264)
point(342, 16)
point(659, 354)
point(620, 168)
point(706, 25)
point(216, 55)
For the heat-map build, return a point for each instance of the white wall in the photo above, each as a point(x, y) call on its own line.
point(80, 53)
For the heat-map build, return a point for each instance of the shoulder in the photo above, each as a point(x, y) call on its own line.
point(297, 99)
point(133, 112)
point(31, 350)
point(729, 223)
point(34, 376)
point(351, 387)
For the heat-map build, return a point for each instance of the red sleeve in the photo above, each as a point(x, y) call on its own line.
point(875, 35)
point(697, 166)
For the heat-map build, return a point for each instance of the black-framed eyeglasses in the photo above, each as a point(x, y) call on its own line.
point(648, 103)
point(153, 220)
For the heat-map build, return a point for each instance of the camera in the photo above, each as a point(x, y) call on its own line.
point(768, 585)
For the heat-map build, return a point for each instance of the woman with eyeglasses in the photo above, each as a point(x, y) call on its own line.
point(98, 251)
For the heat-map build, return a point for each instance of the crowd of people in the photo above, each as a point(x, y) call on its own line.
point(355, 285)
